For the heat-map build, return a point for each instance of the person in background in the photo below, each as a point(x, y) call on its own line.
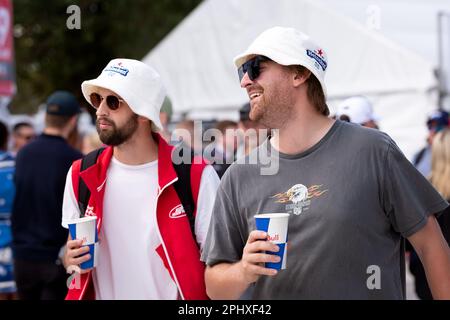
point(41, 169)
point(440, 179)
point(358, 110)
point(184, 132)
point(224, 148)
point(22, 133)
point(436, 122)
point(165, 116)
point(7, 189)
point(249, 131)
point(91, 142)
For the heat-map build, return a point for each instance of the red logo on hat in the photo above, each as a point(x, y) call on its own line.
point(320, 52)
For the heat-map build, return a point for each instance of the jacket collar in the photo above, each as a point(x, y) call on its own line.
point(95, 176)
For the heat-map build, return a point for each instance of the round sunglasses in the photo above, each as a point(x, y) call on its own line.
point(112, 101)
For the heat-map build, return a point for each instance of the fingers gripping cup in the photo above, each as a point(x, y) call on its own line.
point(276, 226)
point(86, 229)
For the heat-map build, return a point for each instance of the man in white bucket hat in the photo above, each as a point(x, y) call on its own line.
point(152, 214)
point(360, 197)
point(359, 110)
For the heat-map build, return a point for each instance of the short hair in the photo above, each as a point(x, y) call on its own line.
point(4, 133)
point(21, 125)
point(315, 91)
point(185, 124)
point(55, 121)
point(244, 112)
point(344, 117)
point(223, 125)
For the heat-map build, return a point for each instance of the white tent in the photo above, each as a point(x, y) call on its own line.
point(195, 61)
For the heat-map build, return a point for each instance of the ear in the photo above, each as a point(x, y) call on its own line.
point(74, 120)
point(145, 122)
point(300, 77)
point(142, 119)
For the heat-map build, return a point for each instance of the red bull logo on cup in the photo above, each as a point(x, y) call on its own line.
point(274, 237)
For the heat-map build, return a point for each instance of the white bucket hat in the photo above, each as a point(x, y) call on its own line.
point(135, 82)
point(287, 46)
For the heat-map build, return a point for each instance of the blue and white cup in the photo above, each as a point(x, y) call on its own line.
point(276, 226)
point(86, 229)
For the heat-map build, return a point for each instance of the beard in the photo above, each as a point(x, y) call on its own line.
point(115, 136)
point(273, 108)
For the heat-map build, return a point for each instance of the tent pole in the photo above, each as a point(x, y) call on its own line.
point(440, 58)
point(441, 72)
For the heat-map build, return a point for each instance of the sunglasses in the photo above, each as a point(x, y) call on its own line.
point(112, 102)
point(252, 67)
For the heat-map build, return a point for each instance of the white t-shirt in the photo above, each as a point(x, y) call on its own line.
point(128, 266)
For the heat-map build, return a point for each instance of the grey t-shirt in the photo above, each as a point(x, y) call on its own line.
point(345, 237)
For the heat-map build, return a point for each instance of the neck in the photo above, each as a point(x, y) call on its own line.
point(56, 132)
point(139, 149)
point(303, 130)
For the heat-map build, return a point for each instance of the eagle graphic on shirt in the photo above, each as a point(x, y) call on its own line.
point(298, 197)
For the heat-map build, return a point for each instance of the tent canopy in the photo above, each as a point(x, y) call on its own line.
point(195, 62)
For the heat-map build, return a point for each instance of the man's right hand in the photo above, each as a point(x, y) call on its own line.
point(253, 257)
point(73, 252)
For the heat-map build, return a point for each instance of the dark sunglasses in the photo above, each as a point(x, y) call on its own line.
point(252, 67)
point(112, 102)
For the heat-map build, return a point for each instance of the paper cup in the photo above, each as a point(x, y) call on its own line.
point(86, 229)
point(276, 226)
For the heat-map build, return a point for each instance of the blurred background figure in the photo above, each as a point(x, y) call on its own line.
point(165, 115)
point(250, 132)
point(436, 122)
point(358, 110)
point(224, 148)
point(91, 142)
point(440, 179)
point(7, 190)
point(22, 133)
point(41, 170)
point(184, 132)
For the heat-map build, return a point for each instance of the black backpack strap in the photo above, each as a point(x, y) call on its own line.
point(183, 188)
point(83, 192)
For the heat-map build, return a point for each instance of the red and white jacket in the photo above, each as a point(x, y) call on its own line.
point(178, 249)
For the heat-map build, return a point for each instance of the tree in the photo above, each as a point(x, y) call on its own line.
point(50, 56)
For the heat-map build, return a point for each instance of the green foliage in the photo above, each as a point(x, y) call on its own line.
point(49, 56)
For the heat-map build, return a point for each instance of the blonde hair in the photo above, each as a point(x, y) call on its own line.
point(440, 163)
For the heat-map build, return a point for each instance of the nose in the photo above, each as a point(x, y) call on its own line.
point(245, 82)
point(102, 108)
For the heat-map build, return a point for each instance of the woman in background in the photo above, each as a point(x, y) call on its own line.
point(440, 179)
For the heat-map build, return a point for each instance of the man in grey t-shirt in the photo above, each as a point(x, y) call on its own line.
point(363, 196)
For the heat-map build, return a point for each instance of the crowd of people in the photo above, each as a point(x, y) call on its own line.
point(170, 230)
